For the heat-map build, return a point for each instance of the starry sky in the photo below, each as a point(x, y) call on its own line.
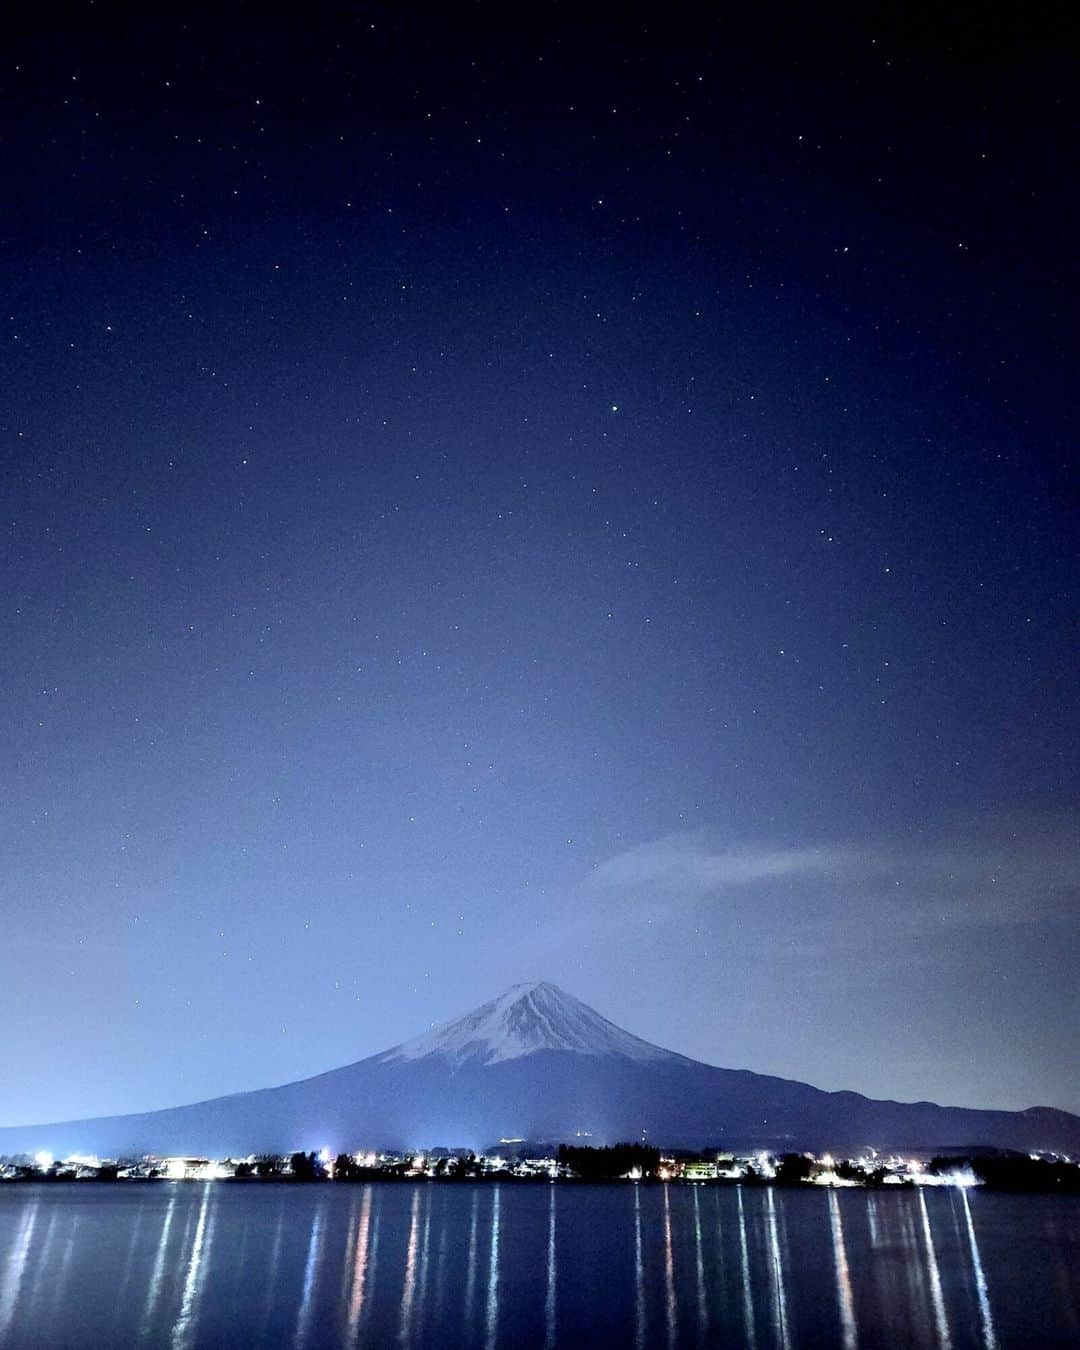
point(530, 495)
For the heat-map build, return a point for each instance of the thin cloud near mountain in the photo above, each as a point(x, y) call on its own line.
point(1017, 873)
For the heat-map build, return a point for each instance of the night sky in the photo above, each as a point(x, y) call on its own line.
point(502, 497)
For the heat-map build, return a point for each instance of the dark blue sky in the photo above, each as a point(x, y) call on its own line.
point(572, 498)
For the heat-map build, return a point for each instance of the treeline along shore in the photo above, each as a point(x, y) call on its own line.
point(518, 1162)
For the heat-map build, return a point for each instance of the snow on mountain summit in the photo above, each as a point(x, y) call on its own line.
point(526, 1019)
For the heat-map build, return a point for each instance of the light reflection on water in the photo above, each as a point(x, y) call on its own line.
point(670, 1304)
point(549, 1299)
point(987, 1317)
point(273, 1266)
point(405, 1329)
point(15, 1267)
point(843, 1279)
point(39, 1289)
point(941, 1321)
point(61, 1273)
point(361, 1241)
point(639, 1275)
point(303, 1317)
point(440, 1275)
point(490, 1267)
point(699, 1269)
point(492, 1325)
point(748, 1298)
point(871, 1215)
point(776, 1270)
point(470, 1278)
point(153, 1292)
point(184, 1327)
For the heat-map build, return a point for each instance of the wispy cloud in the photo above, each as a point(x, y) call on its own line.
point(688, 863)
point(989, 873)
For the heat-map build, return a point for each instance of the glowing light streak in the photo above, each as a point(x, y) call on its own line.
point(16, 1267)
point(871, 1214)
point(639, 1277)
point(183, 1330)
point(843, 1277)
point(360, 1265)
point(699, 1271)
point(936, 1297)
point(350, 1248)
point(409, 1289)
point(989, 1336)
point(275, 1260)
point(425, 1254)
point(311, 1266)
point(748, 1301)
point(670, 1307)
point(440, 1273)
point(374, 1262)
point(44, 1266)
point(60, 1274)
point(719, 1259)
point(470, 1276)
point(493, 1274)
point(549, 1299)
point(154, 1291)
point(777, 1271)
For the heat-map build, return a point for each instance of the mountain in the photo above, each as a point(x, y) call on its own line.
point(538, 1063)
point(527, 1019)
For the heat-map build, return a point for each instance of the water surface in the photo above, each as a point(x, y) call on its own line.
point(482, 1265)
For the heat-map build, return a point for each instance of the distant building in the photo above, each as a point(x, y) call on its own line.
point(197, 1169)
point(699, 1171)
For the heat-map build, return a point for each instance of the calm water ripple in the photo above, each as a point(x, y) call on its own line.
point(498, 1267)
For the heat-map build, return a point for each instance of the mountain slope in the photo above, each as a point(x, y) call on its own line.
point(538, 1063)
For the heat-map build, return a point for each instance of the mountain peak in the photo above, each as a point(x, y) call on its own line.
point(526, 1019)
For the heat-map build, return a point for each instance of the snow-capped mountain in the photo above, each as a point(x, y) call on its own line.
point(538, 1063)
point(526, 1019)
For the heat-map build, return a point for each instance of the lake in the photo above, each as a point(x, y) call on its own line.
point(189, 1264)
